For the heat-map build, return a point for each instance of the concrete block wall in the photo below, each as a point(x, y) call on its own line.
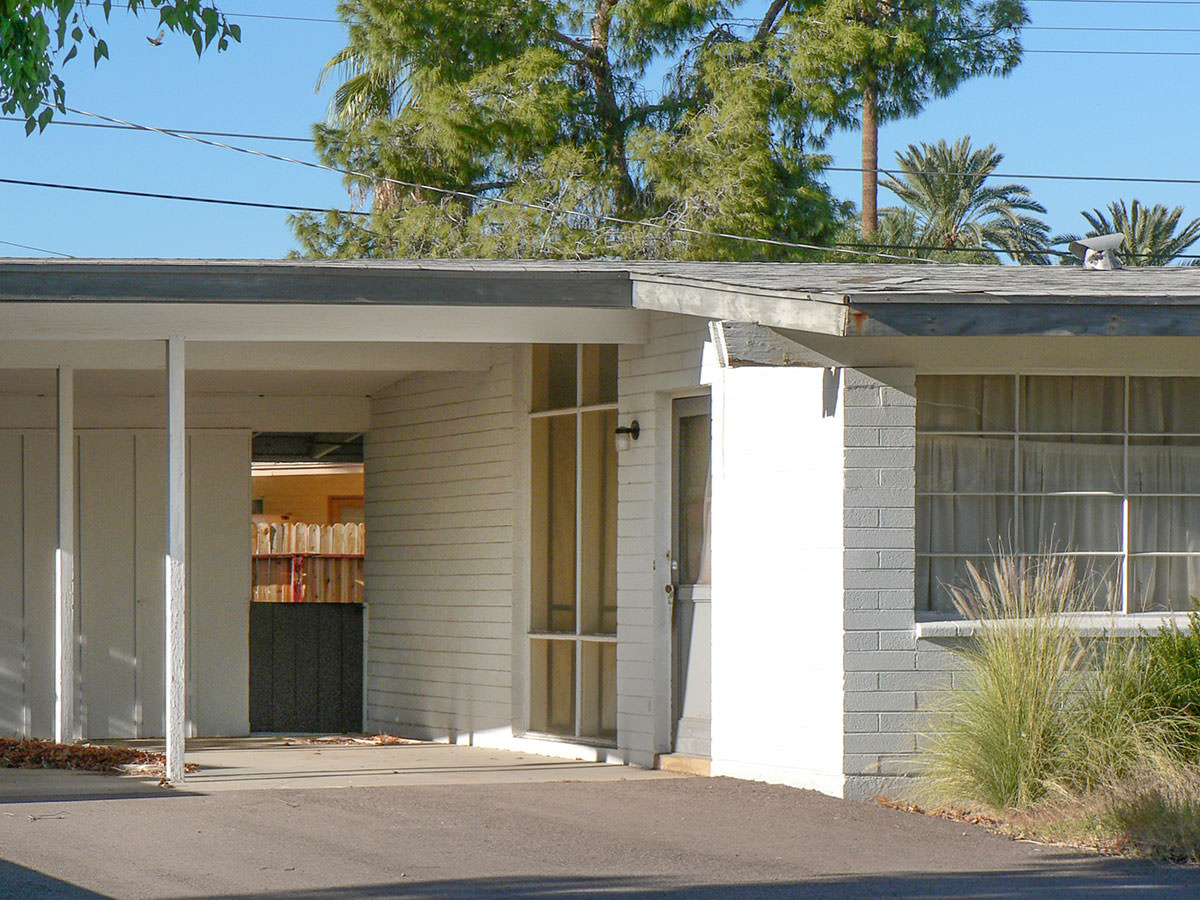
point(667, 365)
point(887, 676)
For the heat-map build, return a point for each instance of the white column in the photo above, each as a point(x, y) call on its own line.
point(64, 564)
point(176, 572)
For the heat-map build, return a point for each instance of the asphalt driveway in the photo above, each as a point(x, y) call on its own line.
point(556, 835)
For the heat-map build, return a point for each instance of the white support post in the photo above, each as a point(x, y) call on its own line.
point(176, 571)
point(64, 565)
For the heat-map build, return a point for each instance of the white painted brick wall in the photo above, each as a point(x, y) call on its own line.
point(778, 579)
point(439, 463)
point(886, 682)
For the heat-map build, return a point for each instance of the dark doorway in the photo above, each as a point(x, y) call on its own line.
point(307, 614)
point(306, 667)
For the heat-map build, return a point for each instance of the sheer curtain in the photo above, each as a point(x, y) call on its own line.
point(1050, 464)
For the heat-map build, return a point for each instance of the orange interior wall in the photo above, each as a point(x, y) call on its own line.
point(304, 498)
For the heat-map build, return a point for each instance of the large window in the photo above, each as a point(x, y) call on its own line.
point(1105, 469)
point(573, 564)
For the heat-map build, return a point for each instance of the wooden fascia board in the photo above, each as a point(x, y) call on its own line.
point(243, 322)
point(977, 317)
point(268, 283)
point(816, 313)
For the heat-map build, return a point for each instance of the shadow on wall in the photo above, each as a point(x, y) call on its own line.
point(1094, 878)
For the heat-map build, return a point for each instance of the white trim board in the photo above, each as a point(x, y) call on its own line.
point(310, 322)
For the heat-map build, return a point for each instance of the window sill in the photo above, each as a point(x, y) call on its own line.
point(1084, 624)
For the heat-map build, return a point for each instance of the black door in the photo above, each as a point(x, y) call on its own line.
point(306, 667)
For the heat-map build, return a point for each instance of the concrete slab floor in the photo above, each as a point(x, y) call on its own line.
point(259, 763)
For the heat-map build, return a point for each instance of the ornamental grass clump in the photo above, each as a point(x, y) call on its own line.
point(1012, 733)
point(1094, 741)
point(1172, 682)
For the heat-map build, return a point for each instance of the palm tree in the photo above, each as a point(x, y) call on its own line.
point(1150, 236)
point(944, 187)
point(374, 85)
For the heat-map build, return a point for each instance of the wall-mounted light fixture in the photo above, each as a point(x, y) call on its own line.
point(625, 436)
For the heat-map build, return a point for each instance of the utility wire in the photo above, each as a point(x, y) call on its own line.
point(483, 198)
point(1118, 52)
point(242, 15)
point(37, 249)
point(1109, 28)
point(1131, 179)
point(1128, 2)
point(232, 134)
point(185, 197)
point(303, 140)
point(749, 23)
point(837, 247)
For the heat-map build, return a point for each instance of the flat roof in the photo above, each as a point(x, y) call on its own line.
point(843, 299)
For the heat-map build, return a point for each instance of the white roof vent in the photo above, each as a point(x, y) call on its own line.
point(1097, 252)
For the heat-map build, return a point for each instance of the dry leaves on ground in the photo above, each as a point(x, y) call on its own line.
point(375, 740)
point(28, 753)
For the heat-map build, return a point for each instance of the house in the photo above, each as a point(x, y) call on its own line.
point(615, 510)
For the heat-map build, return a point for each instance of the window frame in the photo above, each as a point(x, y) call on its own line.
point(586, 644)
point(1124, 555)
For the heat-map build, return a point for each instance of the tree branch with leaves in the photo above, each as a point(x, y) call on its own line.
point(39, 37)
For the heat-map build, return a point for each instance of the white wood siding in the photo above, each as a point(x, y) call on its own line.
point(651, 374)
point(121, 541)
point(439, 568)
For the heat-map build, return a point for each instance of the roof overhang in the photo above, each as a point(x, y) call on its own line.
point(863, 301)
point(514, 301)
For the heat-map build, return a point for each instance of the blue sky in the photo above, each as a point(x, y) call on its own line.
point(1088, 113)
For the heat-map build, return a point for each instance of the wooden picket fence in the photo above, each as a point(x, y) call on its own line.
point(299, 562)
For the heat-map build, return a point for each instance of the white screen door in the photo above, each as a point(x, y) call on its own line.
point(691, 619)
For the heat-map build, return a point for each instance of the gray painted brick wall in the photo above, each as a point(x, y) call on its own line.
point(885, 682)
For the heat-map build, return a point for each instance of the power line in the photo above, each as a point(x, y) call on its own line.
point(482, 198)
point(184, 197)
point(1128, 2)
point(303, 140)
point(933, 248)
point(833, 248)
point(1131, 179)
point(232, 134)
point(1118, 52)
point(37, 249)
point(1109, 28)
point(242, 15)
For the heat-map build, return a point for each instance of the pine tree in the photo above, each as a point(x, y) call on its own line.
point(867, 62)
point(532, 120)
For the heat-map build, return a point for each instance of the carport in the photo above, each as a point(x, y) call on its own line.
point(129, 395)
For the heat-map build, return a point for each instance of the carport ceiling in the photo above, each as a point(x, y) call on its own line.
point(316, 446)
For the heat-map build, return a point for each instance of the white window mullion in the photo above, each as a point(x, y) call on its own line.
point(578, 539)
point(1123, 584)
point(1016, 483)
